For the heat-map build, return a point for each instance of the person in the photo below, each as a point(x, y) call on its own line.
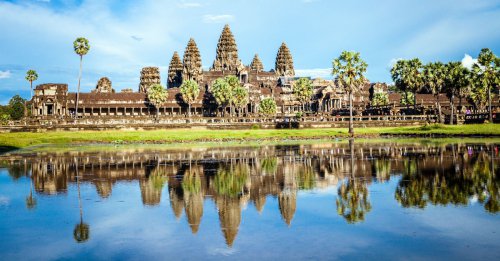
point(467, 112)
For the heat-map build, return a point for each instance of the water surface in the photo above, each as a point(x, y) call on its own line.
point(320, 200)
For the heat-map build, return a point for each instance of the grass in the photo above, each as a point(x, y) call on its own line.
point(26, 139)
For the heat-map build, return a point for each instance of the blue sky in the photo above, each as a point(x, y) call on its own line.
point(126, 35)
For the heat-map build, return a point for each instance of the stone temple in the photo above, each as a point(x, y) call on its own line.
point(54, 101)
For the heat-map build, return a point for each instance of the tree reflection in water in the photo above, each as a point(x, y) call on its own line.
point(234, 177)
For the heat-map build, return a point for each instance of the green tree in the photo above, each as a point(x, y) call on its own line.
point(4, 119)
point(240, 98)
point(434, 75)
point(408, 77)
point(352, 201)
point(457, 80)
point(380, 98)
point(189, 91)
point(303, 89)
point(234, 84)
point(157, 95)
point(490, 74)
point(267, 106)
point(407, 99)
point(479, 92)
point(221, 90)
point(31, 76)
point(349, 70)
point(17, 107)
point(81, 47)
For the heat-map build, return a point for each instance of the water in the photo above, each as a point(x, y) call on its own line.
point(387, 200)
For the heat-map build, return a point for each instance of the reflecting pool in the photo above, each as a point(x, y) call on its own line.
point(388, 199)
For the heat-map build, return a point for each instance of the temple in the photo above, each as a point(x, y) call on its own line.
point(54, 101)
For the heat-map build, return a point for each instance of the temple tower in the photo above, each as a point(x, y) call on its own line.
point(226, 58)
point(175, 71)
point(256, 64)
point(104, 86)
point(149, 76)
point(192, 62)
point(284, 62)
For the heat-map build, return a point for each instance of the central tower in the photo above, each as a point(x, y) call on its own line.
point(226, 58)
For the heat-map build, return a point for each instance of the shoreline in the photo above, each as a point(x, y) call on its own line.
point(17, 140)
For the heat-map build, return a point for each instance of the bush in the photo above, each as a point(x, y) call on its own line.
point(255, 127)
point(4, 119)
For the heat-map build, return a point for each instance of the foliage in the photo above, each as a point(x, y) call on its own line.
point(191, 182)
point(407, 99)
point(81, 233)
point(4, 119)
point(349, 70)
point(267, 106)
point(486, 76)
point(221, 90)
point(352, 201)
point(457, 79)
point(306, 178)
point(231, 181)
point(303, 89)
point(157, 95)
point(31, 76)
point(16, 107)
point(189, 90)
point(269, 165)
point(240, 97)
point(434, 76)
point(380, 98)
point(408, 76)
point(81, 46)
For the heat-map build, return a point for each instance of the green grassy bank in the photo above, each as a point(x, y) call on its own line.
point(24, 139)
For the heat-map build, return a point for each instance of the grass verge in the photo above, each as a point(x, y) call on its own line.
point(25, 139)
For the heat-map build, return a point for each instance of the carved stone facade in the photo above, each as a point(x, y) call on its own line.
point(175, 71)
point(256, 64)
point(149, 76)
point(284, 62)
point(192, 62)
point(104, 86)
point(226, 58)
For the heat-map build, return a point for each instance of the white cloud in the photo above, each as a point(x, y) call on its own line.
point(468, 61)
point(5, 74)
point(218, 18)
point(4, 201)
point(314, 73)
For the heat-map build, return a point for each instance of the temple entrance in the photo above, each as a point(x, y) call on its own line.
point(50, 109)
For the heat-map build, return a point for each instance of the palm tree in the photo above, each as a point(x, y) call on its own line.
point(240, 98)
point(490, 75)
point(349, 68)
point(190, 91)
point(303, 89)
point(81, 47)
point(157, 95)
point(457, 79)
point(434, 78)
point(221, 90)
point(81, 233)
point(31, 76)
point(267, 106)
point(407, 74)
point(234, 83)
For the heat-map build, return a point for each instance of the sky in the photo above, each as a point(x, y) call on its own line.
point(126, 35)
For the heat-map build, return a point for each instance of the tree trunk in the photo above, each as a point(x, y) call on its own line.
point(415, 102)
point(31, 87)
point(78, 92)
point(189, 110)
point(351, 127)
point(452, 110)
point(490, 117)
point(438, 107)
point(157, 113)
point(407, 103)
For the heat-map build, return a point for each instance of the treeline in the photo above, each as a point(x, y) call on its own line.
point(476, 84)
point(14, 110)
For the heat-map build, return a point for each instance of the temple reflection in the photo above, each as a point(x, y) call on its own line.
point(235, 177)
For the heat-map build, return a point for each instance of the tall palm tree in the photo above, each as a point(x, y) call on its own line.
point(434, 79)
point(457, 79)
point(81, 233)
point(349, 68)
point(490, 73)
point(303, 89)
point(157, 95)
point(240, 98)
point(31, 76)
point(81, 47)
point(408, 77)
point(221, 90)
point(189, 91)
